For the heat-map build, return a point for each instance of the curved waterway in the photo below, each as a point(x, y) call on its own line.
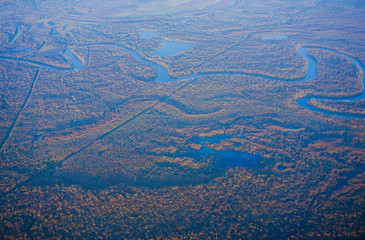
point(311, 73)
point(304, 101)
point(76, 62)
point(163, 75)
point(15, 34)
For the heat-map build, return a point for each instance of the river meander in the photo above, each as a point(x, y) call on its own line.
point(174, 47)
point(76, 62)
point(223, 158)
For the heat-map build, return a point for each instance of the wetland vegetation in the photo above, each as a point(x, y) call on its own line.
point(190, 119)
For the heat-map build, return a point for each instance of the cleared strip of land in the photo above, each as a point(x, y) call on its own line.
point(12, 126)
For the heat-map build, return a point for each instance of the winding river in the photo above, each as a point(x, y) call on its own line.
point(76, 62)
point(304, 101)
point(163, 75)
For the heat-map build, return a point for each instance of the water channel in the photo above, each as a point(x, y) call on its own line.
point(174, 47)
point(224, 158)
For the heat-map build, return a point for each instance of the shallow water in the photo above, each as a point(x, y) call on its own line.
point(170, 48)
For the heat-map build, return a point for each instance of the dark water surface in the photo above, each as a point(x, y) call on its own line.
point(224, 158)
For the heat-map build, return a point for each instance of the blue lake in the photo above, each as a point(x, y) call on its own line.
point(169, 47)
point(228, 158)
point(224, 158)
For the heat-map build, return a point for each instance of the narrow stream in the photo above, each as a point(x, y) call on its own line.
point(304, 101)
point(76, 62)
point(15, 34)
point(163, 75)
